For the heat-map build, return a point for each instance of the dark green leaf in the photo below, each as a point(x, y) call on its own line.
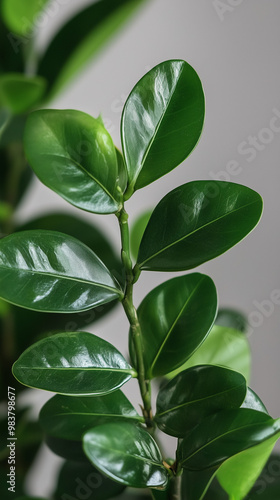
point(81, 38)
point(267, 487)
point(223, 346)
point(230, 318)
point(74, 155)
point(175, 319)
point(162, 121)
point(195, 484)
point(223, 435)
point(67, 449)
point(197, 222)
point(127, 454)
point(19, 93)
point(253, 402)
point(81, 480)
point(73, 364)
point(137, 231)
point(20, 15)
point(122, 172)
point(69, 418)
point(58, 273)
point(11, 50)
point(196, 393)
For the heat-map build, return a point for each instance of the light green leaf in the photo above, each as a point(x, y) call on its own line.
point(51, 271)
point(74, 155)
point(20, 93)
point(137, 231)
point(127, 454)
point(161, 122)
point(20, 16)
point(175, 318)
point(197, 222)
point(76, 364)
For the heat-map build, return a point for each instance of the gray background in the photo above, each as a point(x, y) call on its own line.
point(236, 56)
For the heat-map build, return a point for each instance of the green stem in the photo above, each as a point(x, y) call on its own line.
point(131, 313)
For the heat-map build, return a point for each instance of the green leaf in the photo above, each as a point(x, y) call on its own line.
point(223, 435)
point(253, 402)
point(127, 454)
point(195, 484)
point(230, 318)
point(197, 222)
point(267, 487)
point(67, 449)
point(81, 38)
point(196, 393)
point(223, 346)
point(20, 15)
point(68, 418)
point(137, 231)
point(238, 474)
point(74, 155)
point(82, 480)
point(175, 318)
point(20, 93)
point(57, 273)
point(161, 122)
point(74, 364)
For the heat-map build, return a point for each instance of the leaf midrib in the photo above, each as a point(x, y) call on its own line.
point(195, 231)
point(79, 368)
point(136, 456)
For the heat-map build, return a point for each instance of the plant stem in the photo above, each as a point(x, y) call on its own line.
point(131, 313)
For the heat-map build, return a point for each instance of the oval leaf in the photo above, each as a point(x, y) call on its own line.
point(74, 155)
point(19, 93)
point(161, 122)
point(74, 364)
point(69, 418)
point(196, 393)
point(127, 454)
point(253, 402)
point(197, 222)
point(20, 15)
point(82, 480)
point(223, 346)
point(175, 318)
point(57, 273)
point(223, 435)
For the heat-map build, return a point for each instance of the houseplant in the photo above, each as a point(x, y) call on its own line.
point(222, 427)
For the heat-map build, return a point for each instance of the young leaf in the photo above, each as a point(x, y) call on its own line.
point(20, 15)
point(50, 271)
point(223, 435)
point(127, 454)
point(197, 222)
point(175, 318)
point(223, 346)
point(69, 418)
point(238, 474)
point(19, 93)
point(82, 480)
point(74, 155)
point(161, 122)
point(82, 37)
point(196, 393)
point(74, 364)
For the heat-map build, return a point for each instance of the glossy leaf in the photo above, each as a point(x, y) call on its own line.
point(197, 222)
point(127, 454)
point(19, 93)
point(69, 418)
point(161, 122)
point(67, 449)
point(57, 273)
point(137, 231)
point(78, 480)
point(73, 364)
point(223, 435)
point(230, 318)
point(196, 393)
point(195, 484)
point(223, 346)
point(175, 318)
point(81, 38)
point(238, 474)
point(253, 402)
point(21, 15)
point(74, 155)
